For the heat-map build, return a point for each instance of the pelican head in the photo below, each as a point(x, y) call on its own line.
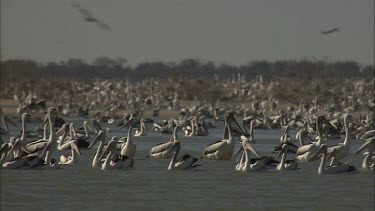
point(247, 146)
point(64, 128)
point(54, 112)
point(283, 150)
point(232, 122)
point(26, 116)
point(112, 147)
point(129, 123)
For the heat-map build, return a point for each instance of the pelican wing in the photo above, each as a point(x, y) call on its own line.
point(161, 147)
point(185, 161)
point(302, 150)
point(36, 146)
point(213, 147)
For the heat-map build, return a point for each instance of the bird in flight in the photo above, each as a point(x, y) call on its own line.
point(330, 31)
point(89, 17)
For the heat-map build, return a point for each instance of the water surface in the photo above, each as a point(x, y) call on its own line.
point(213, 186)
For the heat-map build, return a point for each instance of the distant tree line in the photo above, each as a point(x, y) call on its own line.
point(107, 68)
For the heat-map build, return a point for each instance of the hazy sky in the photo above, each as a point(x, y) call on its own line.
point(233, 32)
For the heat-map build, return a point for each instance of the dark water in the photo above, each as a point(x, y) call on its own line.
point(213, 186)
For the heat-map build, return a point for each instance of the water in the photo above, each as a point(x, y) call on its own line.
point(213, 186)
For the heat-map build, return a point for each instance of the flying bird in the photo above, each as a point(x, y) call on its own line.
point(89, 17)
point(330, 31)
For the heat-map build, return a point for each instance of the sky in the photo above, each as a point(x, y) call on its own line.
point(232, 32)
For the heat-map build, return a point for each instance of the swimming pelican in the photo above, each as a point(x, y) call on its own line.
point(304, 152)
point(286, 139)
point(333, 169)
point(342, 150)
point(184, 162)
point(112, 161)
point(33, 147)
point(246, 164)
point(95, 125)
point(142, 129)
point(101, 139)
point(164, 150)
point(30, 161)
point(369, 161)
point(129, 147)
point(64, 140)
point(249, 128)
point(24, 118)
point(285, 164)
point(303, 134)
point(82, 137)
point(195, 128)
point(70, 159)
point(5, 148)
point(223, 149)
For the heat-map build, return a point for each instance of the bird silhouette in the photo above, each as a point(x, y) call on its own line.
point(89, 17)
point(330, 31)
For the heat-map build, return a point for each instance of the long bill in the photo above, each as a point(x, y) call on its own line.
point(129, 123)
point(282, 151)
point(75, 148)
point(237, 152)
point(106, 151)
point(234, 126)
point(101, 136)
point(252, 149)
point(367, 145)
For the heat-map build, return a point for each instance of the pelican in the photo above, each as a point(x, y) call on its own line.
point(164, 150)
point(285, 164)
point(24, 118)
point(286, 139)
point(249, 128)
point(64, 141)
point(304, 152)
point(196, 129)
point(101, 138)
point(64, 159)
point(112, 161)
point(202, 130)
point(303, 135)
point(5, 148)
point(30, 161)
point(95, 125)
point(368, 161)
point(81, 137)
point(342, 150)
point(129, 147)
point(142, 129)
point(223, 149)
point(39, 145)
point(248, 165)
point(184, 162)
point(332, 169)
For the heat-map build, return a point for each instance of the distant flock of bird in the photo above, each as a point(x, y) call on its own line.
point(34, 149)
point(316, 122)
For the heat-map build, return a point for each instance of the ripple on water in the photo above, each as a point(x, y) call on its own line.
point(213, 186)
